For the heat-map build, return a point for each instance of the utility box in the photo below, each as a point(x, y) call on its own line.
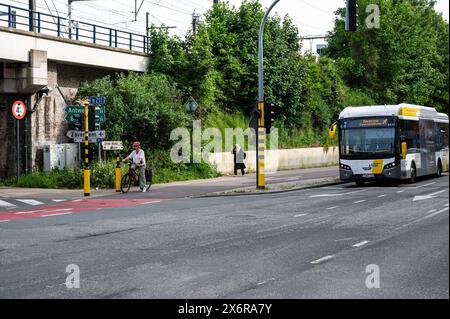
point(60, 156)
point(72, 155)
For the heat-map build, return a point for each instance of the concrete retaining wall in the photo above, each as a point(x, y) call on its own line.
point(280, 159)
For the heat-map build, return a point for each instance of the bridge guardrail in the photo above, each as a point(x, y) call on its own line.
point(35, 21)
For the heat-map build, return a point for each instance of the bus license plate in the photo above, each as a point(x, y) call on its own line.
point(368, 176)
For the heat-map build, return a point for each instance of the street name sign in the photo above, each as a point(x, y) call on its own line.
point(112, 145)
point(90, 140)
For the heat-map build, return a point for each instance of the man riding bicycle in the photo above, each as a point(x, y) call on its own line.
point(137, 157)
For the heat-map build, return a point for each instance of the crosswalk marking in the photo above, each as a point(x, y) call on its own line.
point(5, 204)
point(58, 200)
point(31, 202)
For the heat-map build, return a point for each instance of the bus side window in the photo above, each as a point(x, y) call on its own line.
point(441, 136)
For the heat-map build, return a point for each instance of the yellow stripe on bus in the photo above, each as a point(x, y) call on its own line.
point(409, 111)
point(377, 167)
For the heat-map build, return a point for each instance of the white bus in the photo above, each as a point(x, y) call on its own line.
point(391, 142)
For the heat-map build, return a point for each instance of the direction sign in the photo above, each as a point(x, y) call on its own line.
point(19, 110)
point(97, 100)
point(112, 145)
point(71, 110)
point(100, 112)
point(92, 134)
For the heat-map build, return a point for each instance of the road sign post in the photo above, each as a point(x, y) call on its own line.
point(115, 146)
point(19, 110)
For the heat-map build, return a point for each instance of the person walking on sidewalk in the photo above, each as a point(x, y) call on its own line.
point(137, 157)
point(239, 156)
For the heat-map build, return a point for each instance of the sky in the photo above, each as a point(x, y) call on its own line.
point(313, 17)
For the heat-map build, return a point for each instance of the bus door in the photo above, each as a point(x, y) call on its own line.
point(427, 147)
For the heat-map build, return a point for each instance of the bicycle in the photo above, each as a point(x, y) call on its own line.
point(132, 178)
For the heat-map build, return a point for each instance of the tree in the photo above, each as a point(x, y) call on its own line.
point(405, 60)
point(146, 107)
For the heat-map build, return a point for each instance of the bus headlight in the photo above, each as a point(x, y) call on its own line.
point(389, 166)
point(346, 167)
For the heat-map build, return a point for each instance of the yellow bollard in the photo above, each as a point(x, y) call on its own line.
point(118, 175)
point(87, 182)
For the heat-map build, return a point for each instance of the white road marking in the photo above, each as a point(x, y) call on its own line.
point(320, 260)
point(58, 200)
point(31, 202)
point(446, 205)
point(77, 200)
point(156, 201)
point(50, 215)
point(336, 195)
point(6, 204)
point(415, 187)
point(265, 281)
point(300, 215)
point(361, 244)
point(400, 191)
point(432, 210)
point(5, 220)
point(330, 208)
point(30, 212)
point(359, 201)
point(429, 196)
point(423, 218)
point(384, 195)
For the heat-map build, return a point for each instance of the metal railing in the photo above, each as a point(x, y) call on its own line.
point(35, 21)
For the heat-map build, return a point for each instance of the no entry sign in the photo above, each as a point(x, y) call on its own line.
point(19, 110)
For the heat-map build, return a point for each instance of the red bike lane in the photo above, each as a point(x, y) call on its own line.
point(73, 207)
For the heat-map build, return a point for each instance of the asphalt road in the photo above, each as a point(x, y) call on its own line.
point(315, 243)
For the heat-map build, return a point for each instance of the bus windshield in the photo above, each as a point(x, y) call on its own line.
point(366, 142)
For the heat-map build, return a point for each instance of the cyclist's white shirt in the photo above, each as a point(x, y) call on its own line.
point(136, 157)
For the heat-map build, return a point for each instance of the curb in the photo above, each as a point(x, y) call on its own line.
point(270, 192)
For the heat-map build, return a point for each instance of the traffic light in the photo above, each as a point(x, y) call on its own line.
point(269, 116)
point(350, 16)
point(254, 117)
point(91, 117)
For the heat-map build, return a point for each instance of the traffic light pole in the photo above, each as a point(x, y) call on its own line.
point(261, 131)
point(86, 171)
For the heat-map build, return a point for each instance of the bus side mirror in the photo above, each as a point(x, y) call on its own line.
point(404, 150)
point(332, 131)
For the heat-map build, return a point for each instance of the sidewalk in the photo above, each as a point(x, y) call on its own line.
point(179, 189)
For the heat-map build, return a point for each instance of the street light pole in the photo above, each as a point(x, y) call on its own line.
point(261, 131)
